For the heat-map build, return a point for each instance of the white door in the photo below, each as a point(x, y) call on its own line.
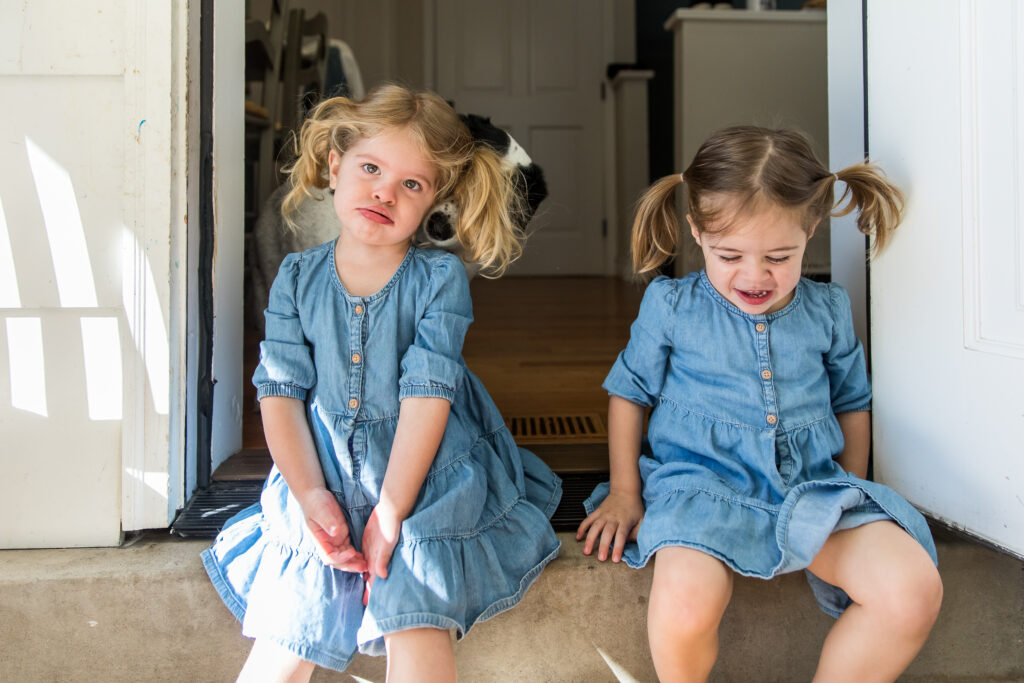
point(536, 69)
point(88, 198)
point(946, 119)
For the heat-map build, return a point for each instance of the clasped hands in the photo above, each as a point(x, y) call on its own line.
point(326, 522)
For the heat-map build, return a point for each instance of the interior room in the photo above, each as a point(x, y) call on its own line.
point(600, 116)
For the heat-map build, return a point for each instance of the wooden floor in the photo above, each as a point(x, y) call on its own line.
point(541, 345)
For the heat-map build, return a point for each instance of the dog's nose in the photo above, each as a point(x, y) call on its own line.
point(439, 228)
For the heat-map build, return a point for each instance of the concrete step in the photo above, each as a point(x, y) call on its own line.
point(146, 612)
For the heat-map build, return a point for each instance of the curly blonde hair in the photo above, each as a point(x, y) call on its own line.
point(753, 167)
point(473, 176)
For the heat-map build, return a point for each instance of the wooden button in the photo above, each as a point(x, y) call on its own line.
point(772, 419)
point(766, 374)
point(353, 404)
point(355, 358)
point(359, 310)
point(760, 327)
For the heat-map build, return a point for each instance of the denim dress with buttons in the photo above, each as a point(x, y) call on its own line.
point(479, 533)
point(739, 456)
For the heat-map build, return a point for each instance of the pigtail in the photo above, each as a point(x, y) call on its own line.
point(878, 201)
point(312, 146)
point(655, 228)
point(491, 211)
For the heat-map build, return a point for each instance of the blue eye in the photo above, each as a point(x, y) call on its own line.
point(370, 168)
point(412, 184)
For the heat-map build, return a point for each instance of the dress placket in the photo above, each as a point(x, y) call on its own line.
point(783, 460)
point(356, 362)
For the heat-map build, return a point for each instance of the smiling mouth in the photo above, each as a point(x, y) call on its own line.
point(754, 296)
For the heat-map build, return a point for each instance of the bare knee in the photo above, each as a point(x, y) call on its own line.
point(910, 599)
point(688, 599)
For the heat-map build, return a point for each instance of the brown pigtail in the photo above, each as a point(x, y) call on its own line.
point(655, 228)
point(878, 202)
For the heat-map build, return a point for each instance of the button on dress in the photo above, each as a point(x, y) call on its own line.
point(739, 456)
point(479, 533)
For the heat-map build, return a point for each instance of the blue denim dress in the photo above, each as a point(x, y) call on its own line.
point(738, 460)
point(479, 533)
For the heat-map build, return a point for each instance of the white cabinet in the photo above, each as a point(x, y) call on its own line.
point(750, 67)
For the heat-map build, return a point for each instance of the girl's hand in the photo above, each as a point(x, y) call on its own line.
point(327, 524)
point(379, 540)
point(615, 521)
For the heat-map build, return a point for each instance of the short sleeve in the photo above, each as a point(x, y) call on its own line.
point(638, 374)
point(844, 362)
point(432, 366)
point(286, 361)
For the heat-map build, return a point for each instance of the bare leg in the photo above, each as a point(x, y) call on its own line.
point(689, 595)
point(421, 655)
point(269, 661)
point(896, 591)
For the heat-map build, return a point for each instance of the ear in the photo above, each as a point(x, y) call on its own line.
point(334, 167)
point(693, 228)
point(810, 233)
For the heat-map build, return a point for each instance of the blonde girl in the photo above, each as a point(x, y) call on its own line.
point(757, 445)
point(399, 509)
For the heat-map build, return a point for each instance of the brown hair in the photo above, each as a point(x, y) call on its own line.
point(471, 175)
point(752, 167)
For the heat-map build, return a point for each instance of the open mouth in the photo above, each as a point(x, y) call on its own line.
point(754, 297)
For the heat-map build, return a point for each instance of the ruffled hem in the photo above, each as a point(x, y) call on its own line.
point(286, 595)
point(269, 589)
point(373, 629)
point(763, 541)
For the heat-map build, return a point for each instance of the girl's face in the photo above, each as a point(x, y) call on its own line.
point(756, 263)
point(383, 186)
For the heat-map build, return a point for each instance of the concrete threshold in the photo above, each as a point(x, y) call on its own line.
point(146, 612)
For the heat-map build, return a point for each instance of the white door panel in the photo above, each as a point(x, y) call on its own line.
point(536, 68)
point(947, 300)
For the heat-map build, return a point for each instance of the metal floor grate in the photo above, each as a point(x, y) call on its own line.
point(206, 512)
point(581, 428)
point(576, 487)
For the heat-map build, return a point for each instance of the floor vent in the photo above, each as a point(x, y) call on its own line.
point(535, 429)
point(206, 513)
point(208, 509)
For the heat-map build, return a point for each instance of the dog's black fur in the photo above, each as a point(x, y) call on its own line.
point(439, 223)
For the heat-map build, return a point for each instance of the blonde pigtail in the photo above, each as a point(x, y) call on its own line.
point(879, 203)
point(312, 146)
point(655, 228)
point(490, 210)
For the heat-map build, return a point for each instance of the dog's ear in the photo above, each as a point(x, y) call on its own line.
point(534, 188)
point(485, 132)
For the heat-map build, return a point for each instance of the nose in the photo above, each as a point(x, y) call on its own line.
point(384, 192)
point(757, 273)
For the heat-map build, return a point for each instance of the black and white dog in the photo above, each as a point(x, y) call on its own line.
point(317, 223)
point(439, 224)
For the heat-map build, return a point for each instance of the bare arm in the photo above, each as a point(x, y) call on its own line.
point(291, 447)
point(618, 517)
point(856, 428)
point(421, 425)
